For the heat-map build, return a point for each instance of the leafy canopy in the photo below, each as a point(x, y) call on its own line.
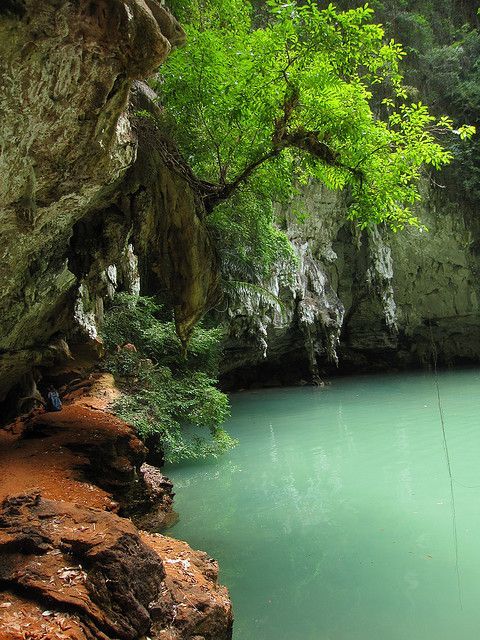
point(263, 102)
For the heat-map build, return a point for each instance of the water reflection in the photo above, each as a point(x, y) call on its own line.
point(332, 519)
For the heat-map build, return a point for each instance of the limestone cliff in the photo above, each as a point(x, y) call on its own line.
point(87, 202)
point(362, 300)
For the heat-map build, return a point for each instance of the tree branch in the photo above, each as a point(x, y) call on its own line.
point(223, 192)
point(312, 142)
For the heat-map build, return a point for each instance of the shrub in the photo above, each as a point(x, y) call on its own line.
point(164, 391)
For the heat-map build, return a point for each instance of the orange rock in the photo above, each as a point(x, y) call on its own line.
point(83, 572)
point(92, 573)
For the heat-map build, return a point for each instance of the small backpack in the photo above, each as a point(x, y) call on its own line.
point(54, 402)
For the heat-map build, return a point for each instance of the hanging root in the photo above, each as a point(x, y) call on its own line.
point(449, 466)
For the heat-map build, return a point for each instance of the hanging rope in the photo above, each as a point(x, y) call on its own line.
point(449, 466)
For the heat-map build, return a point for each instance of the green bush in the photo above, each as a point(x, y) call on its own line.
point(248, 240)
point(164, 391)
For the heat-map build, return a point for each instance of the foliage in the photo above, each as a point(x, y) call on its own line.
point(247, 238)
point(163, 391)
point(265, 101)
point(452, 79)
point(443, 45)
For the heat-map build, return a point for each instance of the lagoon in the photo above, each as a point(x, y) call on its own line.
point(332, 519)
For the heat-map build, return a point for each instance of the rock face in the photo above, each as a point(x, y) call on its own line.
point(86, 455)
point(362, 301)
point(101, 578)
point(74, 224)
point(85, 560)
point(70, 566)
point(90, 202)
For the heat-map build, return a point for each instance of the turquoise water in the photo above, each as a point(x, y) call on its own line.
point(332, 520)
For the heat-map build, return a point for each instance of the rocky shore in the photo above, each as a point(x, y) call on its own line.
point(71, 564)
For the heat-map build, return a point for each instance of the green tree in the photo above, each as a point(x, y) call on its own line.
point(263, 101)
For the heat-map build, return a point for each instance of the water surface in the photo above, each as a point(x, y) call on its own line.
point(332, 520)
